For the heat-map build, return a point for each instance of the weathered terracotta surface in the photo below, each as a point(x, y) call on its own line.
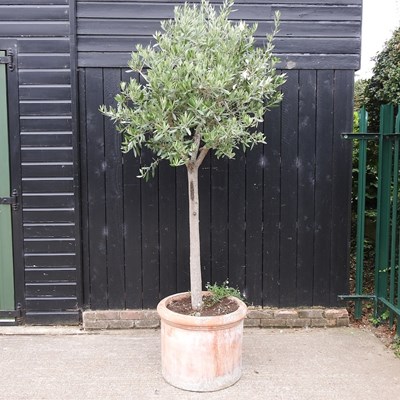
point(201, 353)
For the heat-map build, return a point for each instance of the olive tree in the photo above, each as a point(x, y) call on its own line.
point(206, 88)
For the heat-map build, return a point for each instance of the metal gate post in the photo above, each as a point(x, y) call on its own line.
point(393, 234)
point(362, 171)
point(384, 202)
point(397, 275)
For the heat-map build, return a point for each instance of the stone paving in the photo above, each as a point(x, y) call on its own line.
point(288, 364)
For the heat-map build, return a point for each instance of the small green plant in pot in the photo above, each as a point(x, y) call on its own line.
point(219, 292)
point(206, 88)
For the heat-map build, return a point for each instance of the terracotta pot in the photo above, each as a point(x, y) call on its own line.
point(201, 354)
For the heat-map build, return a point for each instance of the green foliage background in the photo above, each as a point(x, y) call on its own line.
point(382, 88)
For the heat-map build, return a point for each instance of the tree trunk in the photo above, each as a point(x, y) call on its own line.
point(195, 265)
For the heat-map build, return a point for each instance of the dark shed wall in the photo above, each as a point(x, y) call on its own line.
point(41, 30)
point(275, 221)
point(313, 34)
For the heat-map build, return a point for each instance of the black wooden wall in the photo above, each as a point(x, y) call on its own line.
point(275, 220)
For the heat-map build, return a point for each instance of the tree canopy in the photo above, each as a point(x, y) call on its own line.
point(205, 86)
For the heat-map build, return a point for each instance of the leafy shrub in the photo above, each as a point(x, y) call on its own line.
point(384, 86)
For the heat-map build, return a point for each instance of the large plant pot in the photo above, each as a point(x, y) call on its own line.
point(201, 354)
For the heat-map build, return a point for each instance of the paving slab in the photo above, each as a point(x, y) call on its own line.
point(68, 364)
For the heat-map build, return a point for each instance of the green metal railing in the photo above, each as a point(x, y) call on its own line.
point(386, 294)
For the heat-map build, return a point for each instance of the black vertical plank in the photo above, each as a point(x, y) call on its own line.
point(255, 163)
point(114, 197)
point(237, 221)
point(288, 236)
point(132, 232)
point(182, 230)
point(150, 234)
point(272, 207)
point(167, 212)
point(341, 192)
point(306, 186)
point(323, 187)
point(132, 224)
point(76, 152)
point(150, 253)
point(96, 188)
point(219, 220)
point(205, 218)
point(84, 189)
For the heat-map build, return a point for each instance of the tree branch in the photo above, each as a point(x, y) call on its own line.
point(202, 155)
point(196, 140)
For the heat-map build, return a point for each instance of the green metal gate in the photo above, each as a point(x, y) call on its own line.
point(7, 298)
point(386, 294)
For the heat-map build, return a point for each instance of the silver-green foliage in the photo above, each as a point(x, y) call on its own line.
point(206, 87)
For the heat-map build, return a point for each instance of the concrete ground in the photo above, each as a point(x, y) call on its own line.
point(321, 364)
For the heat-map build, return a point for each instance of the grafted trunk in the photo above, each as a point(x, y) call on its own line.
point(195, 264)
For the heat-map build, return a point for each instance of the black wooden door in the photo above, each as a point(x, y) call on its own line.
point(41, 159)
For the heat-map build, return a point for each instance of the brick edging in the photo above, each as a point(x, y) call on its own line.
point(256, 317)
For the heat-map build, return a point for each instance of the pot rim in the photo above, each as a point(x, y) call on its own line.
point(173, 318)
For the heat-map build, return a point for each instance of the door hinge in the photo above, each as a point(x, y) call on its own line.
point(8, 59)
point(12, 201)
point(8, 315)
point(12, 314)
